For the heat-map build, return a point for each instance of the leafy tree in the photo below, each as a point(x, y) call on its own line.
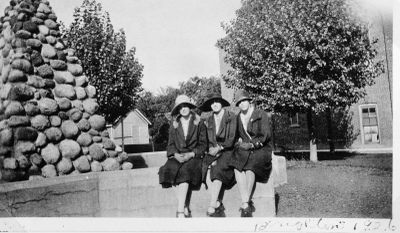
point(156, 108)
point(200, 88)
point(303, 55)
point(115, 72)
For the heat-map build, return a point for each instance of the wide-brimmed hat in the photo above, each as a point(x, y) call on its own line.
point(206, 106)
point(181, 99)
point(241, 95)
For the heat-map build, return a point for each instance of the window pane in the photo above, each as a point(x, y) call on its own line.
point(372, 110)
point(365, 121)
point(365, 110)
point(374, 129)
point(368, 138)
point(375, 138)
point(373, 121)
point(367, 130)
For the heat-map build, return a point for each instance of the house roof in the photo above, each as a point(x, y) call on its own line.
point(139, 113)
point(142, 116)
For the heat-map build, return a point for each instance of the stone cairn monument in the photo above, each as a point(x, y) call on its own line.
point(48, 121)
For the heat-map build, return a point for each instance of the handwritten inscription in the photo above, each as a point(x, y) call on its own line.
point(327, 225)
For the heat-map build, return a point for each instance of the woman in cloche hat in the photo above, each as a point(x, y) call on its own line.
point(251, 157)
point(221, 131)
point(187, 144)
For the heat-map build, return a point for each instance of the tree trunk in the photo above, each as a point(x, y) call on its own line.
point(273, 131)
point(311, 136)
point(330, 136)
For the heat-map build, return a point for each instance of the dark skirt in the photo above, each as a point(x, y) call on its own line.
point(257, 161)
point(173, 173)
point(220, 170)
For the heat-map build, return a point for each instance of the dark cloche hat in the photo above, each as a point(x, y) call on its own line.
point(181, 99)
point(206, 106)
point(241, 95)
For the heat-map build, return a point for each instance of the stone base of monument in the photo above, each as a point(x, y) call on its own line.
point(128, 193)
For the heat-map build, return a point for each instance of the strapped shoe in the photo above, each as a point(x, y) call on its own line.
point(180, 214)
point(188, 213)
point(251, 204)
point(218, 212)
point(245, 212)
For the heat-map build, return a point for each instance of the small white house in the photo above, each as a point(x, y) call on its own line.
point(135, 128)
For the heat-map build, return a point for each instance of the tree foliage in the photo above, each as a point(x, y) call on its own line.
point(300, 55)
point(115, 72)
point(199, 89)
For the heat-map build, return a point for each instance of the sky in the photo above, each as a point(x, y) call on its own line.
point(174, 39)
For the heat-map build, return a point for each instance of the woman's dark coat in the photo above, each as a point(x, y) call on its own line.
point(173, 172)
point(258, 159)
point(225, 137)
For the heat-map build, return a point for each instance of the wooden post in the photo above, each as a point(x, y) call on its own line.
point(122, 134)
point(311, 134)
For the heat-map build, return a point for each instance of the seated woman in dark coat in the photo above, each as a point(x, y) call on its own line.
point(187, 144)
point(253, 151)
point(221, 130)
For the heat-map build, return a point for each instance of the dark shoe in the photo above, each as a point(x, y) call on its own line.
point(212, 214)
point(251, 204)
point(218, 212)
point(245, 212)
point(187, 213)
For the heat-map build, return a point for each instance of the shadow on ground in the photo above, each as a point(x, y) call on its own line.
point(321, 155)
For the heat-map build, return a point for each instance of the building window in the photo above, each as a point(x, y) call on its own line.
point(294, 120)
point(369, 124)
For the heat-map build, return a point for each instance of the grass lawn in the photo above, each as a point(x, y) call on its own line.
point(351, 186)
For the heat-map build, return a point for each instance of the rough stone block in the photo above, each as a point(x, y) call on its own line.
point(21, 92)
point(15, 121)
point(69, 129)
point(62, 77)
point(82, 164)
point(64, 166)
point(45, 71)
point(48, 106)
point(53, 134)
point(96, 152)
point(65, 90)
point(49, 171)
point(25, 134)
point(40, 122)
point(69, 149)
point(14, 108)
point(50, 153)
point(90, 106)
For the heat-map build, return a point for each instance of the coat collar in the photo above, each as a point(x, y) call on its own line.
point(194, 118)
point(256, 115)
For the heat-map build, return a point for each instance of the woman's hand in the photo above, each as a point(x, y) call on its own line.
point(246, 145)
point(213, 151)
point(180, 157)
point(188, 155)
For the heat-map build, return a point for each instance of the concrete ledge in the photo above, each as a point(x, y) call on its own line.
point(128, 193)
